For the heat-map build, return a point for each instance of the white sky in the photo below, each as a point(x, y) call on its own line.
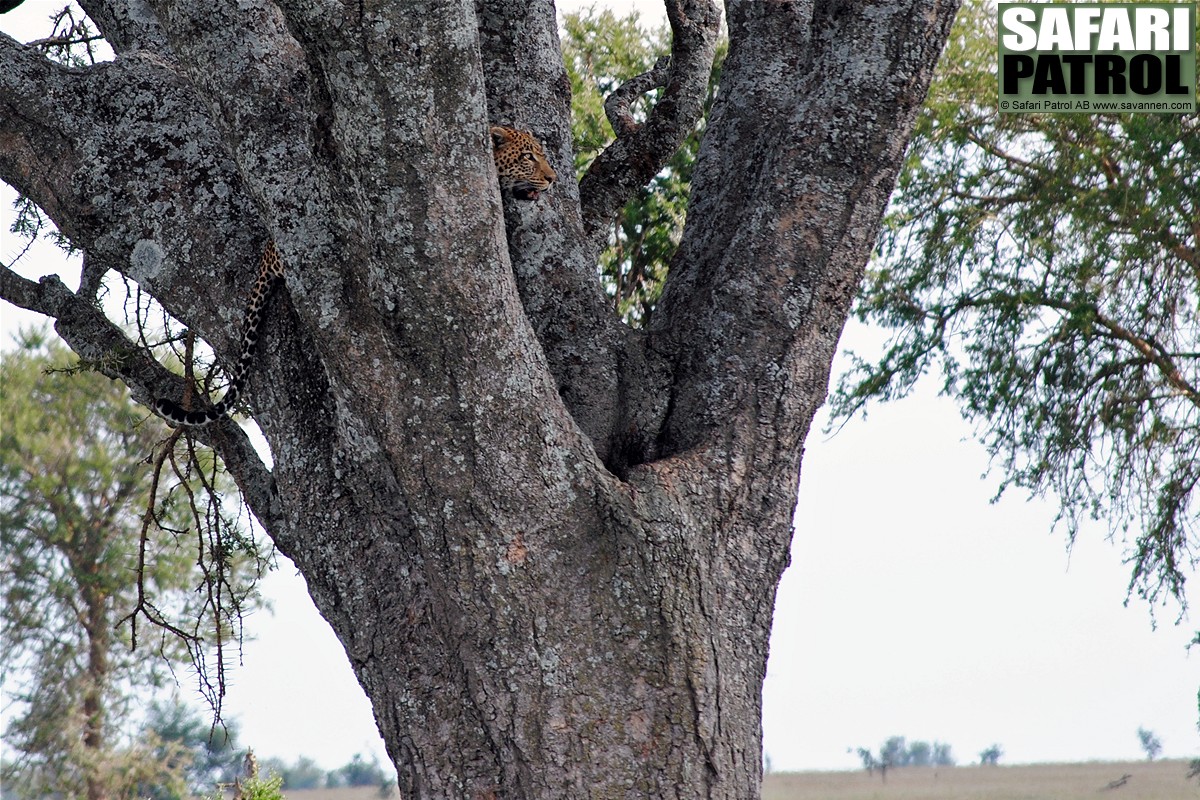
point(913, 606)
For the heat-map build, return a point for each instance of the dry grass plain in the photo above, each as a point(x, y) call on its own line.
point(1160, 780)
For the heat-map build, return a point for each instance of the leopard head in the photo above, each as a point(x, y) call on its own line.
point(521, 163)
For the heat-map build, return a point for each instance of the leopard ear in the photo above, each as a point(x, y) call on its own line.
point(500, 136)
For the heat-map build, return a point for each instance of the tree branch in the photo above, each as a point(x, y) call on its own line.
point(36, 155)
point(639, 152)
point(128, 165)
point(617, 105)
point(127, 25)
point(554, 264)
point(816, 105)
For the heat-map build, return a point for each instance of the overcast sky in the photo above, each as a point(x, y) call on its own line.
point(913, 606)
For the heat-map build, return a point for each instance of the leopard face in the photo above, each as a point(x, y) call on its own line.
point(521, 163)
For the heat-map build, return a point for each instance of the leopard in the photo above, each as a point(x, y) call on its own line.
point(523, 171)
point(521, 163)
point(270, 274)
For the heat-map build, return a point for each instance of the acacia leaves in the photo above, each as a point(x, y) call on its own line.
point(1049, 266)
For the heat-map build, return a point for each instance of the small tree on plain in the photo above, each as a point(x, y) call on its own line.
point(942, 756)
point(869, 761)
point(358, 772)
point(991, 756)
point(1150, 743)
point(303, 773)
point(894, 752)
point(920, 754)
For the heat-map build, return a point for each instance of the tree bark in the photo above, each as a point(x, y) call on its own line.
point(549, 544)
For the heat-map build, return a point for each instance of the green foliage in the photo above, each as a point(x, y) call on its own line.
point(1150, 743)
point(75, 494)
point(256, 788)
point(991, 756)
point(1047, 265)
point(869, 761)
point(920, 754)
point(601, 51)
point(894, 752)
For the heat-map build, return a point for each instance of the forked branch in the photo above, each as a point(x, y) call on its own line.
point(640, 151)
point(617, 106)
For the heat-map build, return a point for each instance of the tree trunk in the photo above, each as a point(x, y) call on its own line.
point(95, 617)
point(93, 697)
point(549, 544)
point(93, 694)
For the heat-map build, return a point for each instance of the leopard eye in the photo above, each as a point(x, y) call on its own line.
point(528, 156)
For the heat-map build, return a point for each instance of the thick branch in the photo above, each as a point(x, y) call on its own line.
point(554, 265)
point(127, 25)
point(820, 101)
point(128, 165)
point(639, 152)
point(36, 155)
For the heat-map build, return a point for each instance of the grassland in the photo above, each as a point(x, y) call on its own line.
point(1160, 780)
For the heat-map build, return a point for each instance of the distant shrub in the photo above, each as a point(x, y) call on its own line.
point(899, 752)
point(1150, 743)
point(991, 756)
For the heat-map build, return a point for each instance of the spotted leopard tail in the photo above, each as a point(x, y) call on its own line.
point(269, 276)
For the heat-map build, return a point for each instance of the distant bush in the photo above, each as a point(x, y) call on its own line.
point(359, 772)
point(991, 756)
point(1150, 743)
point(304, 773)
point(920, 754)
point(898, 752)
point(942, 757)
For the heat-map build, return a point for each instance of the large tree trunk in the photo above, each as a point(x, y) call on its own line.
point(549, 544)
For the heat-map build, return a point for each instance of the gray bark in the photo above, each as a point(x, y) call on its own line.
point(549, 544)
